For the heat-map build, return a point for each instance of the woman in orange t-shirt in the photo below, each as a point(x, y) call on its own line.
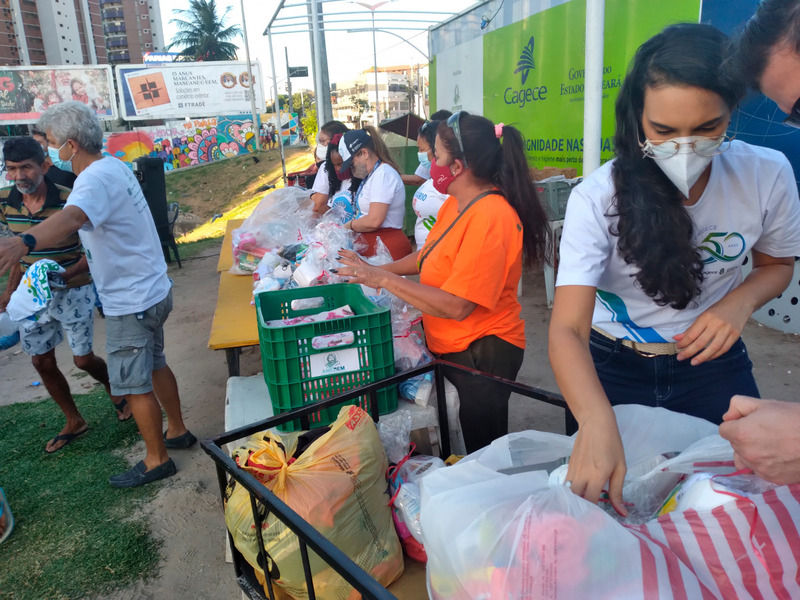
point(471, 263)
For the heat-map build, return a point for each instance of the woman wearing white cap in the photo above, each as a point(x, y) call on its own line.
point(380, 201)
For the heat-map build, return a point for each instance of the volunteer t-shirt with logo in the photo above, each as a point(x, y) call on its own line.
point(384, 186)
point(480, 260)
point(750, 203)
point(321, 184)
point(427, 202)
point(120, 238)
point(423, 171)
point(342, 202)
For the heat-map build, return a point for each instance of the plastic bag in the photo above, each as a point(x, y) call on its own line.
point(513, 536)
point(312, 267)
point(410, 351)
point(489, 534)
point(395, 431)
point(337, 485)
point(280, 219)
point(404, 484)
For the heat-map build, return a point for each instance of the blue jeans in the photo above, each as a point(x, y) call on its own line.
point(703, 391)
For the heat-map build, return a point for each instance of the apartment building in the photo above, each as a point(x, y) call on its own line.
point(63, 32)
point(401, 89)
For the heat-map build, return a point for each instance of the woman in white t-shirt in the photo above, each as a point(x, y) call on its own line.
point(380, 200)
point(319, 187)
point(427, 200)
point(651, 296)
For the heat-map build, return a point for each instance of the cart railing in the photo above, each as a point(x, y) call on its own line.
point(308, 537)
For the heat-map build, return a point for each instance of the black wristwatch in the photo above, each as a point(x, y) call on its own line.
point(29, 241)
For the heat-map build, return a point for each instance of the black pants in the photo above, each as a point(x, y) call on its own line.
point(484, 404)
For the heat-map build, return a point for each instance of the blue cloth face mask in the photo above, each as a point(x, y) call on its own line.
point(424, 160)
point(64, 165)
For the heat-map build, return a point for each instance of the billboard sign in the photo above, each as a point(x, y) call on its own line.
point(187, 89)
point(26, 92)
point(537, 79)
point(459, 77)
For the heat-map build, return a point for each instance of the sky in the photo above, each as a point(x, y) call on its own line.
point(348, 53)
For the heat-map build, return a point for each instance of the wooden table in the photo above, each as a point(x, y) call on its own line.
point(235, 325)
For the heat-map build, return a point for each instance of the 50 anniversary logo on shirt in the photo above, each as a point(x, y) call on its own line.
point(722, 246)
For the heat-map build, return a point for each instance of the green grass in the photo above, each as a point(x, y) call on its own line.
point(75, 536)
point(190, 249)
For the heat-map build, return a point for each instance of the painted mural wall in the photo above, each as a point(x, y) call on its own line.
point(193, 142)
point(184, 143)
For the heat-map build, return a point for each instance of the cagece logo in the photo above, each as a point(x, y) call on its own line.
point(526, 62)
point(525, 95)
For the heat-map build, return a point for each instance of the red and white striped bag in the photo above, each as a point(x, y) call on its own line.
point(748, 548)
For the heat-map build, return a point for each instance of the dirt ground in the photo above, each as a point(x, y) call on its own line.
point(187, 515)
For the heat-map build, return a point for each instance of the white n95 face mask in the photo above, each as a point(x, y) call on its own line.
point(321, 152)
point(684, 166)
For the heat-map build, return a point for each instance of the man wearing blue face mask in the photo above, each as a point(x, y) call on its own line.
point(60, 171)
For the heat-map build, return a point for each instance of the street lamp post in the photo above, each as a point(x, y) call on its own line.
point(397, 36)
point(375, 59)
point(372, 8)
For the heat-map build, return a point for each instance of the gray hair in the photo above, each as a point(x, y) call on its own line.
point(73, 121)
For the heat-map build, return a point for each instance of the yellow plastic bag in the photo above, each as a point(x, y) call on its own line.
point(337, 485)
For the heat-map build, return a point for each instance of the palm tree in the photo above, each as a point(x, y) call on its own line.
point(202, 33)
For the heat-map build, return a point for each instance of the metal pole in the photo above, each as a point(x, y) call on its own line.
point(251, 80)
point(322, 86)
point(277, 104)
point(288, 81)
point(313, 15)
point(323, 99)
point(375, 58)
point(593, 88)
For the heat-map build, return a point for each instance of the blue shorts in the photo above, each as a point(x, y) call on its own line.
point(135, 346)
point(702, 391)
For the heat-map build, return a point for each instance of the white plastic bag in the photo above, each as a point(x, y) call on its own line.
point(491, 535)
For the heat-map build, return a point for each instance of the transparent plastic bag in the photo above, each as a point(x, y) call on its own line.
point(394, 430)
point(280, 219)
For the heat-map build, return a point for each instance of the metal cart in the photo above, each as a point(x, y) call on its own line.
point(308, 537)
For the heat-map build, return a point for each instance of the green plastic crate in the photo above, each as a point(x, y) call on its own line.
point(297, 374)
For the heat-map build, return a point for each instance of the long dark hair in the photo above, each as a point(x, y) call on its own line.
point(334, 183)
point(655, 230)
point(331, 128)
point(775, 22)
point(428, 132)
point(506, 166)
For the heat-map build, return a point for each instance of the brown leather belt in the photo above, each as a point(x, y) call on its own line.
point(644, 349)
